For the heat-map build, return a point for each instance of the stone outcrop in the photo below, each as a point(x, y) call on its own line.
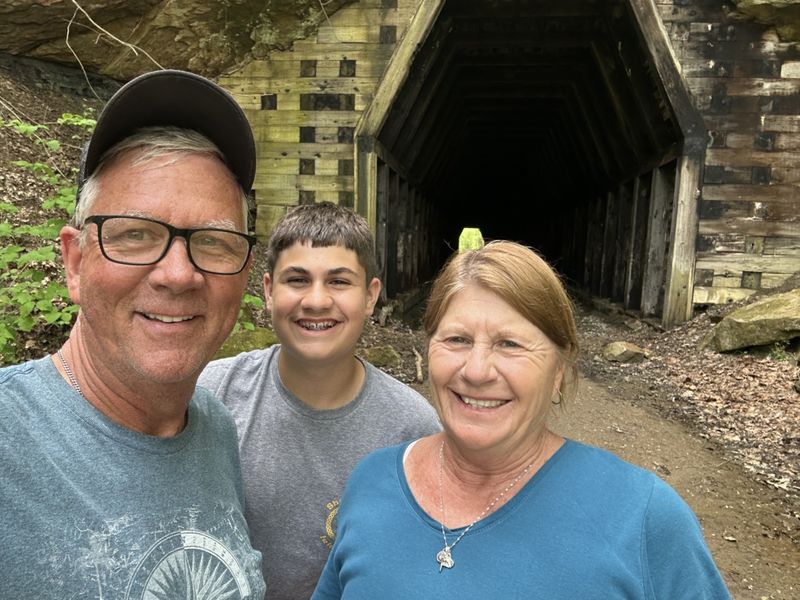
point(382, 356)
point(773, 319)
point(122, 38)
point(783, 14)
point(246, 340)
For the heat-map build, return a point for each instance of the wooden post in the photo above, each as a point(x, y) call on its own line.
point(681, 260)
point(622, 242)
point(381, 218)
point(609, 245)
point(638, 249)
point(366, 177)
point(661, 193)
point(595, 249)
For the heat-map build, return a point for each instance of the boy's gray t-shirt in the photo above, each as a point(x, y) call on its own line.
point(296, 460)
point(91, 509)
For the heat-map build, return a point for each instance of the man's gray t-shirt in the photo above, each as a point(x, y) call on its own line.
point(91, 509)
point(296, 460)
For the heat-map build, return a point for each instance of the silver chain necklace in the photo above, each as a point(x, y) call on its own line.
point(445, 556)
point(70, 375)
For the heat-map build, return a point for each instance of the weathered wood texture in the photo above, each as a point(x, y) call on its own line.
point(746, 85)
point(670, 233)
point(304, 105)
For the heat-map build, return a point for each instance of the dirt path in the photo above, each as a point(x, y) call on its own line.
point(737, 514)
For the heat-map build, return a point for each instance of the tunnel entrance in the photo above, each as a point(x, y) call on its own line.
point(562, 124)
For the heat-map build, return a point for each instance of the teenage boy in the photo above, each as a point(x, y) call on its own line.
point(308, 409)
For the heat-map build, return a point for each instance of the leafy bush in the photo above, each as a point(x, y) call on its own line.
point(250, 304)
point(33, 298)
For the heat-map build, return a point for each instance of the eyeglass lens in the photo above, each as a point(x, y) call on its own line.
point(138, 241)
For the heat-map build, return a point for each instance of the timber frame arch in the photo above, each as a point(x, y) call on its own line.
point(632, 239)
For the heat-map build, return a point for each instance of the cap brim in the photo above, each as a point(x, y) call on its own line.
point(180, 99)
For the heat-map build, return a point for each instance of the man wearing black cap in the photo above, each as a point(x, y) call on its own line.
point(119, 480)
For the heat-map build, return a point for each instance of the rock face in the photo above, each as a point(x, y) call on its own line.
point(246, 340)
point(774, 319)
point(382, 356)
point(783, 14)
point(122, 38)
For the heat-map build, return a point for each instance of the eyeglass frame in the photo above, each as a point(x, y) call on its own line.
point(174, 232)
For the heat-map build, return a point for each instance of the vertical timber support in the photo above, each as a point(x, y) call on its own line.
point(366, 177)
point(662, 192)
point(622, 241)
point(679, 276)
point(634, 277)
point(681, 259)
point(609, 245)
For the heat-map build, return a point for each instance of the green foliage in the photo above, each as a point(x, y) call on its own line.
point(780, 351)
point(63, 199)
point(27, 129)
point(84, 122)
point(28, 297)
point(33, 298)
point(249, 304)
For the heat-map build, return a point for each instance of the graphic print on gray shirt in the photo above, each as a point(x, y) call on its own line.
point(91, 509)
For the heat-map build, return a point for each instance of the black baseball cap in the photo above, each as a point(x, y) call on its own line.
point(180, 99)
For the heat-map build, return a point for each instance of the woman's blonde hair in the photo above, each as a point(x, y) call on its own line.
point(518, 275)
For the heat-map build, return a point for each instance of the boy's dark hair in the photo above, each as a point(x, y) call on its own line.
point(324, 224)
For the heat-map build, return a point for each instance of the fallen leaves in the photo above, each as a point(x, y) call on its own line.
point(745, 403)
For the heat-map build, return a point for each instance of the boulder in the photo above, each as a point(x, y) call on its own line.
point(381, 356)
point(624, 352)
point(783, 14)
point(773, 319)
point(246, 340)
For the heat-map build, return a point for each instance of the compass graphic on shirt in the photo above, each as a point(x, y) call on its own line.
point(330, 524)
point(190, 565)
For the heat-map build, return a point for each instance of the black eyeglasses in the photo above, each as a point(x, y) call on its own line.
point(141, 241)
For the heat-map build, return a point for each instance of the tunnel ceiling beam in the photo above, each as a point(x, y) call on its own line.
point(524, 52)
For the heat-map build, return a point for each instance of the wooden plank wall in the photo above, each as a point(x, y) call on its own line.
point(627, 242)
point(746, 85)
point(304, 104)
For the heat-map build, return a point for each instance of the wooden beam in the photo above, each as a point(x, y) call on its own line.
point(719, 295)
point(681, 260)
point(638, 250)
point(658, 44)
point(622, 253)
point(661, 193)
point(397, 70)
point(750, 226)
point(609, 244)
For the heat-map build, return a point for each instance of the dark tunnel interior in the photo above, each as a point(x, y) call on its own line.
point(516, 116)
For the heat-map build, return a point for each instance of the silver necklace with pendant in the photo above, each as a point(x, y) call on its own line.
point(445, 556)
